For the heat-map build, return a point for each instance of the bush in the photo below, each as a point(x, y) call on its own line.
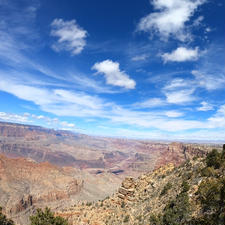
point(209, 193)
point(185, 186)
point(213, 159)
point(155, 220)
point(4, 220)
point(122, 204)
point(178, 211)
point(223, 152)
point(212, 196)
point(208, 172)
point(126, 219)
point(47, 217)
point(166, 188)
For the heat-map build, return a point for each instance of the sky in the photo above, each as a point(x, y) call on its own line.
point(136, 69)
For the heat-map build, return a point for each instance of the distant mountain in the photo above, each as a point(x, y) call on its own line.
point(100, 154)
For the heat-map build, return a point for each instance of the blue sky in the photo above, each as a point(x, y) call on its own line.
point(139, 69)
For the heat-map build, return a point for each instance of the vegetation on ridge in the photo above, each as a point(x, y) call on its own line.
point(210, 195)
point(46, 217)
point(42, 217)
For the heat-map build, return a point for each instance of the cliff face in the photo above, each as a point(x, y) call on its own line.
point(189, 194)
point(62, 148)
point(25, 184)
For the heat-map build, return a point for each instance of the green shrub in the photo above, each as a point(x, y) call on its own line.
point(4, 220)
point(208, 172)
point(178, 211)
point(46, 217)
point(209, 193)
point(213, 159)
point(166, 188)
point(155, 220)
point(185, 186)
point(126, 219)
point(223, 152)
point(212, 197)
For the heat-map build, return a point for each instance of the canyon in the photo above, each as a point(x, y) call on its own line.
point(44, 167)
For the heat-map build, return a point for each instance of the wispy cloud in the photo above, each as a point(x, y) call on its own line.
point(176, 83)
point(181, 96)
point(205, 106)
point(28, 118)
point(170, 18)
point(11, 117)
point(142, 57)
point(181, 54)
point(150, 103)
point(57, 101)
point(69, 103)
point(71, 36)
point(174, 114)
point(218, 119)
point(208, 80)
point(113, 74)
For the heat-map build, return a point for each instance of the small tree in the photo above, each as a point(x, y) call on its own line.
point(223, 152)
point(47, 217)
point(4, 220)
point(213, 159)
point(177, 211)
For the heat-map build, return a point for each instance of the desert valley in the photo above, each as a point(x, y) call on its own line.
point(42, 167)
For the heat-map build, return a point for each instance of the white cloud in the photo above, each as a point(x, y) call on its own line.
point(197, 22)
point(174, 113)
point(170, 18)
point(201, 135)
point(71, 36)
point(180, 97)
point(205, 106)
point(150, 103)
point(142, 57)
point(154, 120)
point(113, 74)
point(12, 117)
point(63, 102)
point(57, 101)
point(218, 119)
point(209, 80)
point(181, 54)
point(176, 83)
point(66, 124)
point(27, 118)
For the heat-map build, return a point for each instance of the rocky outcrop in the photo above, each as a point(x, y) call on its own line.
point(126, 191)
point(25, 202)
